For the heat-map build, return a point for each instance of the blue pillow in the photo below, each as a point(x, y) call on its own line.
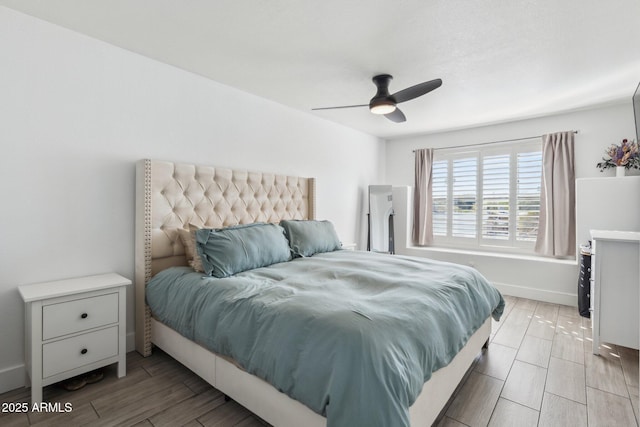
point(310, 237)
point(231, 250)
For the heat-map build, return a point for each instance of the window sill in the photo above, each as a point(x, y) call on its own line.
point(534, 258)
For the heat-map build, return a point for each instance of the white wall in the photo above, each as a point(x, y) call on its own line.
point(607, 204)
point(78, 113)
point(530, 277)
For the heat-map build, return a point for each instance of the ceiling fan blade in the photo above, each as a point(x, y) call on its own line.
point(417, 90)
point(342, 106)
point(396, 116)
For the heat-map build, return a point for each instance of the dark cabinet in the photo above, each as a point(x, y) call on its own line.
point(584, 286)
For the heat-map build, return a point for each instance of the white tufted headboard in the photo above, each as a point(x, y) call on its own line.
point(173, 195)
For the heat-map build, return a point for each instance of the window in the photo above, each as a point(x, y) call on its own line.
point(488, 197)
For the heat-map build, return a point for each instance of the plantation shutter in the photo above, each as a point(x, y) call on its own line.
point(464, 191)
point(495, 197)
point(439, 191)
point(529, 167)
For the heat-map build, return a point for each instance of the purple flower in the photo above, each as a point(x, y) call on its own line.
point(626, 154)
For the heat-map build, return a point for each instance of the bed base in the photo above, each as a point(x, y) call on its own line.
point(173, 195)
point(280, 410)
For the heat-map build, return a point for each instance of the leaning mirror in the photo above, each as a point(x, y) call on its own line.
point(380, 218)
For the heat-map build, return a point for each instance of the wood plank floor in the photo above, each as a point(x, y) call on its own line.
point(538, 371)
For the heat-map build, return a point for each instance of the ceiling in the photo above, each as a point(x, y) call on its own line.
point(499, 60)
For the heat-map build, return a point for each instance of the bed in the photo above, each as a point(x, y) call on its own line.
point(171, 196)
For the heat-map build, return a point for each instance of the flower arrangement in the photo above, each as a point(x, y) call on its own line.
point(625, 155)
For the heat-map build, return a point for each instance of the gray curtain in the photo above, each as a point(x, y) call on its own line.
point(422, 214)
point(557, 226)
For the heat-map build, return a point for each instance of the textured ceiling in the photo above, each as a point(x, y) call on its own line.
point(499, 60)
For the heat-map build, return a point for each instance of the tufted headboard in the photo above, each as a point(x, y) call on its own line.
point(170, 196)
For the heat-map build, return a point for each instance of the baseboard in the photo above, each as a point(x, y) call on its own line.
point(538, 294)
point(12, 378)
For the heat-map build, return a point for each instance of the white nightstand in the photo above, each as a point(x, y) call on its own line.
point(74, 326)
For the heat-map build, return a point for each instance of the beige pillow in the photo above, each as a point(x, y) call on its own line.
point(188, 238)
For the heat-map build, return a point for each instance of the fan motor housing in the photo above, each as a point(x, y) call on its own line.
point(383, 102)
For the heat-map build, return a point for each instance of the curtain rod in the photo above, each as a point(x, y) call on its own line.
point(491, 142)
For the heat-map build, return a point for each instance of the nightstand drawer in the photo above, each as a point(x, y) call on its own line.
point(71, 353)
point(79, 315)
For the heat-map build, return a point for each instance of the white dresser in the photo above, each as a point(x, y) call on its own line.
point(615, 288)
point(74, 326)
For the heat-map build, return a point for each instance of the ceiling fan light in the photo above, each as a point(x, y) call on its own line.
point(382, 108)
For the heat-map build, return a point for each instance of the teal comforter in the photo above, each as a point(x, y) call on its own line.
point(352, 335)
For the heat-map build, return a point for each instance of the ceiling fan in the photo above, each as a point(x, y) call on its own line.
point(386, 104)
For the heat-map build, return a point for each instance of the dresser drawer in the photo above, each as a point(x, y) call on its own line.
point(79, 315)
point(74, 352)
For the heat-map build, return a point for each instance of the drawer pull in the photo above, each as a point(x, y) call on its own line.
point(83, 351)
point(84, 315)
